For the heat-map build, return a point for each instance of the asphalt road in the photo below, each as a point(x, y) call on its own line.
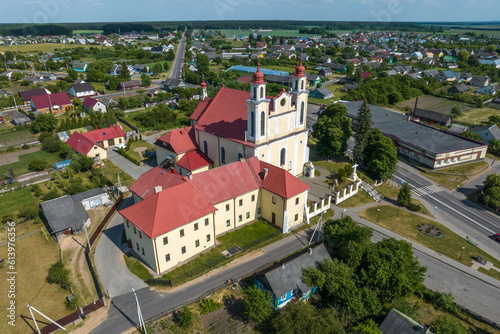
point(453, 209)
point(176, 69)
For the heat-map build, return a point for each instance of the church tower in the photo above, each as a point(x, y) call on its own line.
point(204, 94)
point(300, 94)
point(257, 109)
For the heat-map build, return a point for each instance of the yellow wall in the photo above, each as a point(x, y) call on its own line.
point(139, 238)
point(268, 207)
point(296, 208)
point(116, 141)
point(103, 154)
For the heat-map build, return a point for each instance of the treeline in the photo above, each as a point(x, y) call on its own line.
point(36, 30)
point(114, 28)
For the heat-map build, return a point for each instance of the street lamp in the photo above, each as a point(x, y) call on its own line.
point(378, 218)
point(119, 182)
point(463, 248)
point(342, 214)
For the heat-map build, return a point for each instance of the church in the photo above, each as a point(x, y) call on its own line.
point(236, 124)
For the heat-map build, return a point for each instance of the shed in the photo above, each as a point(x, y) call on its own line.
point(92, 198)
point(62, 164)
point(399, 323)
point(65, 216)
point(431, 116)
point(321, 93)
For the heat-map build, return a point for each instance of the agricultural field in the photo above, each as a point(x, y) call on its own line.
point(285, 33)
point(87, 32)
point(21, 167)
point(493, 32)
point(477, 116)
point(433, 103)
point(45, 47)
point(15, 136)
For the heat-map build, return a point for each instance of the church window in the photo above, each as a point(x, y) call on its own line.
point(261, 92)
point(302, 113)
point(252, 124)
point(222, 155)
point(240, 156)
point(282, 156)
point(205, 147)
point(255, 92)
point(262, 123)
point(302, 84)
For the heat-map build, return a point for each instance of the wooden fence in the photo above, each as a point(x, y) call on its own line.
point(105, 220)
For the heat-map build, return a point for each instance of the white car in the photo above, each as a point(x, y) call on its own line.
point(120, 145)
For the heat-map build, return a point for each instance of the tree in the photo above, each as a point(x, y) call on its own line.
point(463, 55)
point(456, 111)
point(54, 193)
point(479, 102)
point(471, 135)
point(124, 74)
point(333, 130)
point(491, 48)
point(363, 129)
point(359, 76)
point(72, 75)
point(145, 80)
point(58, 274)
point(381, 155)
point(404, 196)
point(17, 75)
point(157, 68)
point(367, 327)
point(44, 122)
point(302, 317)
point(185, 317)
point(491, 192)
point(166, 66)
point(445, 324)
point(37, 165)
point(257, 304)
point(113, 83)
point(82, 163)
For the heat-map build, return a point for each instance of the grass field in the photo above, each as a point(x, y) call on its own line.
point(16, 136)
point(34, 256)
point(433, 103)
point(14, 201)
point(87, 32)
point(337, 95)
point(111, 173)
point(137, 268)
point(476, 116)
point(450, 245)
point(137, 144)
point(361, 198)
point(285, 33)
point(21, 167)
point(38, 47)
point(495, 33)
point(451, 181)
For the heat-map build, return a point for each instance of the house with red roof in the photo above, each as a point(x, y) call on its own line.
point(91, 104)
point(237, 124)
point(175, 218)
point(56, 103)
point(94, 143)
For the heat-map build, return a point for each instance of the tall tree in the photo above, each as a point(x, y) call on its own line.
point(333, 130)
point(298, 318)
point(145, 80)
point(491, 192)
point(381, 155)
point(404, 196)
point(257, 304)
point(124, 74)
point(362, 128)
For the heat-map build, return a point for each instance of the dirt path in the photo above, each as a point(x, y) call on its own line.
point(10, 158)
point(139, 150)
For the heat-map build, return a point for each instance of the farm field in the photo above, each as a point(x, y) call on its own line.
point(477, 116)
point(38, 47)
point(433, 103)
point(87, 32)
point(21, 167)
point(15, 136)
point(493, 32)
point(285, 33)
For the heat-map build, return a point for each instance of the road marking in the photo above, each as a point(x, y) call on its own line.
point(427, 190)
point(449, 207)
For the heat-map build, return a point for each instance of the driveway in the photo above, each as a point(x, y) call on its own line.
point(115, 276)
point(127, 166)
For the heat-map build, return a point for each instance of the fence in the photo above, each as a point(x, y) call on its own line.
point(105, 220)
point(200, 270)
point(128, 124)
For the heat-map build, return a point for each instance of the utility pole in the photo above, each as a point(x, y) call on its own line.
point(139, 314)
point(87, 235)
point(30, 308)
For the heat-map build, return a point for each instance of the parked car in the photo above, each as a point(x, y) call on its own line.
point(497, 237)
point(120, 145)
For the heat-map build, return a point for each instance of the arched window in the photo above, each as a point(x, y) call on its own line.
point(262, 123)
point(282, 157)
point(261, 92)
point(255, 92)
point(302, 84)
point(205, 147)
point(252, 124)
point(239, 156)
point(302, 113)
point(222, 155)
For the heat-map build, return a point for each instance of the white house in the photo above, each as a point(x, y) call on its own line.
point(94, 105)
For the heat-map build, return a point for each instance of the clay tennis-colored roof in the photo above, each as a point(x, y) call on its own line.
point(144, 186)
point(114, 131)
point(80, 143)
point(50, 100)
point(178, 140)
point(194, 160)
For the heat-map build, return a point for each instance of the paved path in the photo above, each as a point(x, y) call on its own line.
point(127, 166)
point(111, 268)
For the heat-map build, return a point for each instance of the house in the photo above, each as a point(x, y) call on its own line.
point(325, 71)
point(18, 118)
point(321, 93)
point(172, 83)
point(479, 81)
point(54, 103)
point(447, 75)
point(116, 70)
point(129, 85)
point(489, 90)
point(348, 87)
point(80, 67)
point(458, 89)
point(313, 79)
point(487, 132)
point(165, 229)
point(279, 79)
point(3, 93)
point(31, 79)
point(92, 198)
point(26, 95)
point(429, 116)
point(81, 89)
point(90, 104)
point(47, 76)
point(94, 143)
point(284, 280)
point(108, 102)
point(431, 73)
point(8, 73)
point(397, 322)
point(337, 68)
point(417, 55)
point(177, 148)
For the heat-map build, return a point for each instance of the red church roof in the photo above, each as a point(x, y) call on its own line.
point(144, 186)
point(194, 160)
point(225, 115)
point(167, 210)
point(178, 140)
point(50, 100)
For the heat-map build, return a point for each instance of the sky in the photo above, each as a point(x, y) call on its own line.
point(57, 11)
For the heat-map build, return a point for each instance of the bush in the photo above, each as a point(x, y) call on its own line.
point(37, 191)
point(59, 275)
point(54, 193)
point(414, 207)
point(185, 317)
point(208, 305)
point(25, 147)
point(341, 175)
point(37, 165)
point(349, 169)
point(71, 304)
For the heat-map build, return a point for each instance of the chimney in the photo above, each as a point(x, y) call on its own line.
point(310, 250)
point(266, 171)
point(189, 175)
point(158, 189)
point(416, 102)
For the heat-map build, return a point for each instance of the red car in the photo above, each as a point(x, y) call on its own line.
point(497, 236)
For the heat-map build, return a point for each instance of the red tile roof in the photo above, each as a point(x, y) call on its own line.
point(114, 131)
point(44, 101)
point(27, 94)
point(80, 143)
point(178, 140)
point(144, 186)
point(226, 115)
point(194, 160)
point(167, 210)
point(89, 102)
point(225, 182)
point(200, 108)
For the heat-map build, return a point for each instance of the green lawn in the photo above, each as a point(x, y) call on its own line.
point(476, 116)
point(38, 47)
point(137, 268)
point(14, 201)
point(136, 144)
point(111, 173)
point(236, 32)
point(450, 245)
point(16, 136)
point(387, 190)
point(451, 181)
point(361, 198)
point(21, 167)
